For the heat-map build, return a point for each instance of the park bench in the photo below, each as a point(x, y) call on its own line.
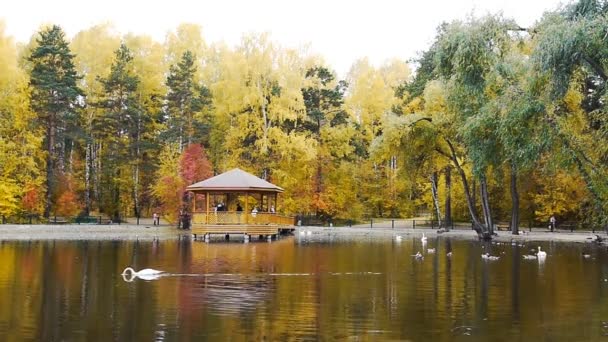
point(58, 220)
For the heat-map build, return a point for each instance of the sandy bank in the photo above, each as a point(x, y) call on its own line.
point(503, 236)
point(166, 232)
point(89, 232)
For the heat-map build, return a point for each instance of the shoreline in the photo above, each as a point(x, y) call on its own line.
point(127, 232)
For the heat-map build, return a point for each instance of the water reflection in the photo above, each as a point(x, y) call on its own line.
point(319, 289)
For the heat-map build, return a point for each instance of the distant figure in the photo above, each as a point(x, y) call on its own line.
point(552, 221)
point(254, 211)
point(272, 209)
point(238, 207)
point(155, 219)
point(220, 207)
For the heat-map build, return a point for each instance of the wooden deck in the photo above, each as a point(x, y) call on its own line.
point(253, 230)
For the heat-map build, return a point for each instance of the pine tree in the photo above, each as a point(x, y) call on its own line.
point(55, 98)
point(184, 102)
point(121, 129)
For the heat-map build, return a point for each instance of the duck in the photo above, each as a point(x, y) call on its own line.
point(430, 250)
point(419, 256)
point(487, 256)
point(586, 256)
point(541, 254)
point(529, 257)
point(423, 238)
point(449, 254)
point(398, 238)
point(308, 232)
point(302, 233)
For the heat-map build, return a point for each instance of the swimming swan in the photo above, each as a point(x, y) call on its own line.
point(541, 254)
point(423, 238)
point(398, 238)
point(144, 272)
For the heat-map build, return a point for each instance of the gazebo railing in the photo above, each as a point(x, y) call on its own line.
point(239, 217)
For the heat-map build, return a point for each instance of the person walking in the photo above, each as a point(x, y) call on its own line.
point(552, 222)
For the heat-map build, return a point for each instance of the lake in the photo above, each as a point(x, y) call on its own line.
point(301, 289)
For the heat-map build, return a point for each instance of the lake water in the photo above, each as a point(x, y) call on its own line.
point(294, 289)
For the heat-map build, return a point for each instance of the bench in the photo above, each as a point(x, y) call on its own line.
point(58, 220)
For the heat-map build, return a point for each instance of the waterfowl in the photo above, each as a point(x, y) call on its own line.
point(423, 238)
point(541, 254)
point(144, 272)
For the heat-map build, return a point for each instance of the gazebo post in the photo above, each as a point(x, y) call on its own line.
point(207, 208)
point(246, 207)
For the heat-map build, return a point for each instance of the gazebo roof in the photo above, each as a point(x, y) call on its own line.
point(234, 180)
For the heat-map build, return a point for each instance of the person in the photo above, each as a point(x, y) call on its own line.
point(155, 219)
point(272, 209)
point(238, 207)
point(220, 207)
point(254, 211)
point(552, 221)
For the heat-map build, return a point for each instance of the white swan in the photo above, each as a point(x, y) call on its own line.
point(302, 233)
point(308, 232)
point(430, 250)
point(541, 254)
point(423, 238)
point(449, 254)
point(398, 238)
point(144, 272)
point(529, 257)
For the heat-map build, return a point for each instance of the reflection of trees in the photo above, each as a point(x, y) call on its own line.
point(70, 291)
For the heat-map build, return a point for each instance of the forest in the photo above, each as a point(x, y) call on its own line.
point(493, 122)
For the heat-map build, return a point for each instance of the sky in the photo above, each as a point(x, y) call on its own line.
point(340, 31)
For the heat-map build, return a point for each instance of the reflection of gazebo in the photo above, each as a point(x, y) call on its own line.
point(237, 202)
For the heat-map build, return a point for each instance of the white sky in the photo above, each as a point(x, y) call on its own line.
point(341, 31)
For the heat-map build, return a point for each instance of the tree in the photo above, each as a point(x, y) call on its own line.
point(177, 171)
point(55, 98)
point(571, 53)
point(21, 154)
point(122, 129)
point(185, 102)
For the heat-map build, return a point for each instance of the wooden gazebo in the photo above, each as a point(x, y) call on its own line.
point(237, 202)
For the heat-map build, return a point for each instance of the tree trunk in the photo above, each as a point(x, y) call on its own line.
point(50, 143)
point(434, 180)
point(515, 202)
point(485, 203)
point(481, 230)
point(448, 198)
point(87, 179)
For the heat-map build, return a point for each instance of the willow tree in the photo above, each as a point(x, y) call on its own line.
point(470, 57)
point(571, 52)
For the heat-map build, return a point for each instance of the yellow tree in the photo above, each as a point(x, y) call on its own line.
point(370, 99)
point(21, 156)
point(257, 101)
